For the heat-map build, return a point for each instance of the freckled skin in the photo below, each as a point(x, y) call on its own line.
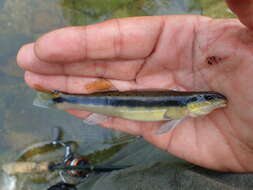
point(213, 60)
point(171, 51)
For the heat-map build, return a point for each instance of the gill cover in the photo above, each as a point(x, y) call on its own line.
point(202, 104)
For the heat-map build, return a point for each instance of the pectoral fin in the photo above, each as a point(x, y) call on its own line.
point(95, 118)
point(170, 125)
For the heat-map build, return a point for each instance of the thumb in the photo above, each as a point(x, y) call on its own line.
point(244, 10)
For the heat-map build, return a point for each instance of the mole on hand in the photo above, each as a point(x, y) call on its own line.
point(213, 60)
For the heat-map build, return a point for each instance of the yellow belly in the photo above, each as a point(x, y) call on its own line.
point(143, 114)
point(132, 113)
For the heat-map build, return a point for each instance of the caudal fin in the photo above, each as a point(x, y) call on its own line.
point(43, 100)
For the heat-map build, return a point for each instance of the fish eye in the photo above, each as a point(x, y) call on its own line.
point(208, 97)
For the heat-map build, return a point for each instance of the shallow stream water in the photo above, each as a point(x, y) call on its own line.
point(22, 124)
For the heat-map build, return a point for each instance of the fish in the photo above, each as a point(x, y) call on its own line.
point(146, 106)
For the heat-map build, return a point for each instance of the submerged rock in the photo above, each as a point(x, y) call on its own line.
point(216, 9)
point(8, 182)
point(84, 12)
point(11, 69)
point(32, 16)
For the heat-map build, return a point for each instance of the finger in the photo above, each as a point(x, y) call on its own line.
point(182, 134)
point(146, 129)
point(126, 69)
point(128, 38)
point(27, 60)
point(78, 113)
point(138, 128)
point(126, 126)
point(81, 85)
point(244, 10)
point(75, 85)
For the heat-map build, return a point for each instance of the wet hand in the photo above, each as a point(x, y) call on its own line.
point(189, 52)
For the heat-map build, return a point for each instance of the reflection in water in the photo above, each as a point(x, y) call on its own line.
point(23, 124)
point(89, 11)
point(8, 182)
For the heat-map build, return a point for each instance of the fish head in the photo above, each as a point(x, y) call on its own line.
point(204, 103)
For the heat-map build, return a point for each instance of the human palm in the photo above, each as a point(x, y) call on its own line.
point(170, 52)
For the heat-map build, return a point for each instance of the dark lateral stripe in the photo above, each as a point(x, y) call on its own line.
point(163, 102)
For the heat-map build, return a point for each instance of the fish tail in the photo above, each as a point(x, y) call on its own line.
point(44, 100)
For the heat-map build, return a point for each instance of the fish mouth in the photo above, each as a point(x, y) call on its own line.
point(219, 103)
point(223, 105)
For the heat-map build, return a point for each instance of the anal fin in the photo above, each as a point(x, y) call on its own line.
point(95, 118)
point(168, 126)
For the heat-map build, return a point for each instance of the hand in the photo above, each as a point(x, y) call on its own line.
point(192, 52)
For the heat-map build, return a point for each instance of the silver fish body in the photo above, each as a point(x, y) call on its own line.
point(138, 105)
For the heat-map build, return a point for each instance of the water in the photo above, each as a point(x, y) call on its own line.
point(22, 124)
